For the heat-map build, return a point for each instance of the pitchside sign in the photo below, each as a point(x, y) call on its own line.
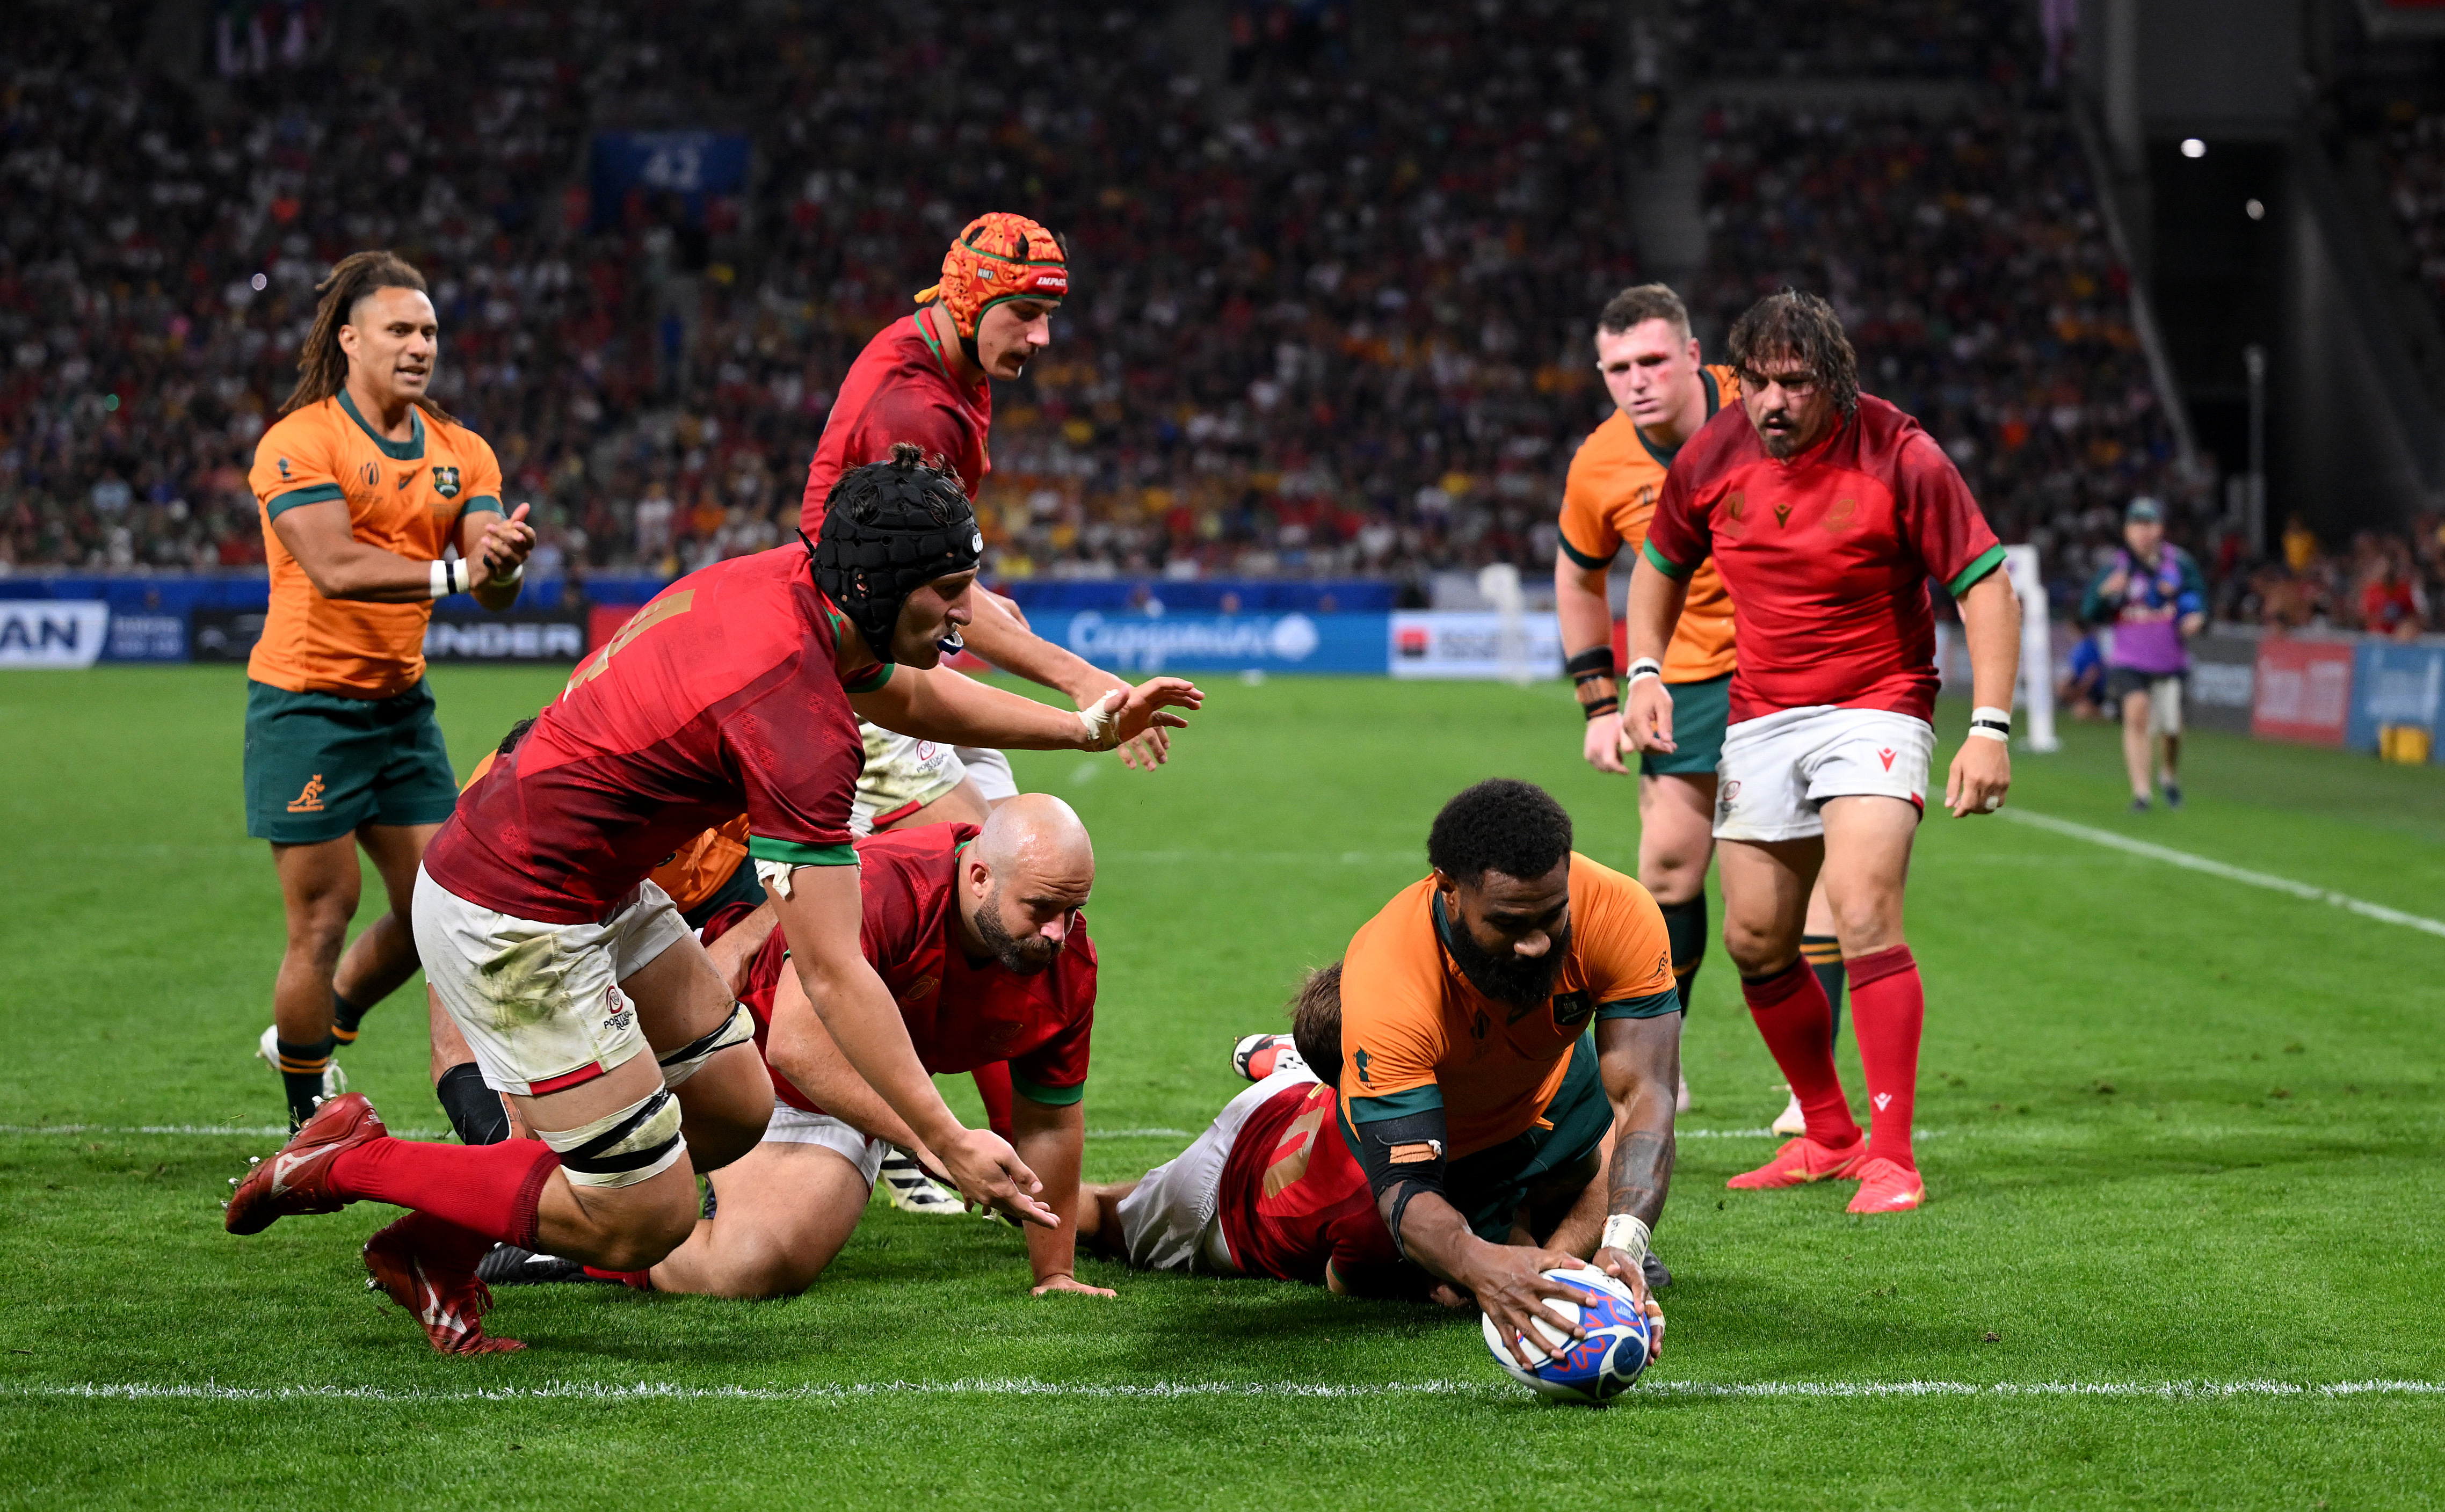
point(52, 632)
point(516, 636)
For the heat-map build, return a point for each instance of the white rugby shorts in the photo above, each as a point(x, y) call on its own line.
point(1778, 770)
point(990, 770)
point(796, 1126)
point(902, 776)
point(540, 1003)
point(1172, 1221)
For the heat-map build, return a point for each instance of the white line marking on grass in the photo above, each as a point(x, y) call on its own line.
point(281, 1131)
point(646, 1391)
point(2231, 873)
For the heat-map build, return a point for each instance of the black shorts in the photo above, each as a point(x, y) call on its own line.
point(2122, 682)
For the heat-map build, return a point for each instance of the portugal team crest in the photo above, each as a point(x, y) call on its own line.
point(446, 481)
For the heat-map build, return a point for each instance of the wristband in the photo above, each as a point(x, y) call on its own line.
point(1646, 667)
point(1629, 1235)
point(516, 572)
point(1601, 707)
point(1596, 661)
point(1099, 727)
point(446, 579)
point(1989, 724)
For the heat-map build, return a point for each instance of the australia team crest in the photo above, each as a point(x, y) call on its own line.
point(446, 481)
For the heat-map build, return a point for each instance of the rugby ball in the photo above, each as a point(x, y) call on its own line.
point(1592, 1370)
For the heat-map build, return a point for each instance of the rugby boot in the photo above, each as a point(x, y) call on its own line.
point(1885, 1187)
point(428, 1267)
point(1799, 1162)
point(1791, 1120)
point(297, 1179)
point(1258, 1056)
point(910, 1189)
point(1654, 1273)
point(509, 1265)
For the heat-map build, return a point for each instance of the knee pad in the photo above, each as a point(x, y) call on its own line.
point(739, 1029)
point(636, 1144)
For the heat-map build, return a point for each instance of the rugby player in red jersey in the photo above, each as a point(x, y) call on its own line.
point(736, 689)
point(1826, 511)
point(1270, 1188)
point(927, 379)
point(978, 934)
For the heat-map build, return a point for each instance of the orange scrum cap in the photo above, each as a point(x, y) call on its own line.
point(1000, 256)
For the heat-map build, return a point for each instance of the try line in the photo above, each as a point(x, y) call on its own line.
point(650, 1391)
point(2231, 873)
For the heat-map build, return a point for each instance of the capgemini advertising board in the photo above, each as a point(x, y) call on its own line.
point(1229, 642)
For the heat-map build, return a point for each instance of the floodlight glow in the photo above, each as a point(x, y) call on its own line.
point(2194, 147)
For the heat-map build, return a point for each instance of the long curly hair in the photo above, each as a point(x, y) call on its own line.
point(1803, 327)
point(322, 366)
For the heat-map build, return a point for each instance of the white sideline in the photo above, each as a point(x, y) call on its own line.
point(645, 1391)
point(2229, 873)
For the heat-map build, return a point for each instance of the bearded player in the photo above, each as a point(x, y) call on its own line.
point(1662, 394)
point(1826, 511)
point(364, 483)
point(979, 937)
point(1499, 1019)
point(735, 689)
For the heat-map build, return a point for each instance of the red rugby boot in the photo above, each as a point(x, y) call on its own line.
point(297, 1179)
point(428, 1267)
point(1799, 1162)
point(1886, 1187)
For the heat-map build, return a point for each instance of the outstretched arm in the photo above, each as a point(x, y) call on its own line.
point(945, 707)
point(1053, 1141)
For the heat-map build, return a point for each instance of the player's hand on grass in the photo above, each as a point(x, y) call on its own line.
point(1511, 1288)
point(1647, 716)
point(1604, 743)
point(1982, 772)
point(990, 1174)
point(504, 547)
point(1064, 1282)
point(1126, 713)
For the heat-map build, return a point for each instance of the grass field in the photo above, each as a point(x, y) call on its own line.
point(2183, 1247)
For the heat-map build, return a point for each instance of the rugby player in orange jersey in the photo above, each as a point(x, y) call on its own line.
point(738, 688)
point(1662, 394)
point(1827, 511)
point(363, 483)
point(1499, 1020)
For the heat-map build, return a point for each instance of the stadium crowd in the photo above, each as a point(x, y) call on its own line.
point(1324, 323)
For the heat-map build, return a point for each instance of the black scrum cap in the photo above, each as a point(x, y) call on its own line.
point(890, 528)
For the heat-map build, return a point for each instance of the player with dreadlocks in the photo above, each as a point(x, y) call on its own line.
point(736, 689)
point(927, 379)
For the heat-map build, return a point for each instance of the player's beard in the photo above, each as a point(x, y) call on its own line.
point(1024, 957)
point(1523, 981)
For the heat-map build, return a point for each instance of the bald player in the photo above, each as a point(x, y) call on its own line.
point(980, 938)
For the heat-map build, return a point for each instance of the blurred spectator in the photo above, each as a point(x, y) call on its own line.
point(2081, 692)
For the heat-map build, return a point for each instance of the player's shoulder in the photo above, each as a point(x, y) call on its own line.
point(1727, 379)
point(926, 849)
point(314, 426)
point(448, 432)
point(1614, 440)
point(1592, 881)
point(1398, 945)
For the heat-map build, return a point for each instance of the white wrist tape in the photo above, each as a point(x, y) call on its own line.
point(447, 579)
point(517, 571)
point(1646, 667)
point(1099, 728)
point(1627, 1234)
point(1992, 723)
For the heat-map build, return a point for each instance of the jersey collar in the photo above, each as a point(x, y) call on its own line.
point(1664, 457)
point(408, 451)
point(926, 334)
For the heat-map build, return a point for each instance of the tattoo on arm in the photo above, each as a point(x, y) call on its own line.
point(1642, 1173)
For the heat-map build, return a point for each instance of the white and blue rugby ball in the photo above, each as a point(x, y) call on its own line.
point(1592, 1370)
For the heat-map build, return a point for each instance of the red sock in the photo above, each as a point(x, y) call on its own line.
point(493, 1189)
point(993, 1084)
point(642, 1281)
point(1888, 1007)
point(1792, 1012)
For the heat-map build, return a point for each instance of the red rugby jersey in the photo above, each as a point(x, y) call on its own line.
point(1826, 555)
point(961, 1014)
point(899, 389)
point(1294, 1198)
point(719, 696)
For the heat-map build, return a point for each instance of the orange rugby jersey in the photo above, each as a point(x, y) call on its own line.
point(1607, 502)
point(403, 496)
point(1416, 1034)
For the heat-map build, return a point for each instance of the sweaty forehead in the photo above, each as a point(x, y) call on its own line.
point(1529, 897)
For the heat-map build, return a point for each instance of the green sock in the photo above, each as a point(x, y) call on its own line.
point(346, 1016)
point(301, 1076)
point(1685, 931)
point(1824, 956)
